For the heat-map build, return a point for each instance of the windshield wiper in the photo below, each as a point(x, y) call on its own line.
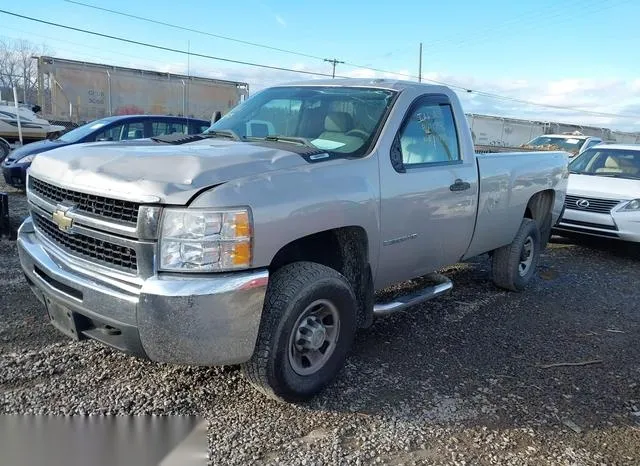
point(291, 139)
point(225, 133)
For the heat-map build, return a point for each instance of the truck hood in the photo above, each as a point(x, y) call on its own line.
point(603, 187)
point(147, 171)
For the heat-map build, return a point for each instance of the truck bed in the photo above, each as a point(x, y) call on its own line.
point(507, 181)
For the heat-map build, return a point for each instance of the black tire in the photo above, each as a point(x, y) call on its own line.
point(506, 261)
point(4, 150)
point(292, 289)
point(545, 230)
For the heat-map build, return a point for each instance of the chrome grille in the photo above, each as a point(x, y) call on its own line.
point(601, 206)
point(94, 249)
point(100, 206)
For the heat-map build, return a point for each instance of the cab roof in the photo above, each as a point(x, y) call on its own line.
point(392, 84)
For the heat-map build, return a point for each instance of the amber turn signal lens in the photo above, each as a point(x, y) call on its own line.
point(242, 225)
point(241, 254)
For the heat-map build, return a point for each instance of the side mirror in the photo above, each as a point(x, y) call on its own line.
point(217, 116)
point(36, 108)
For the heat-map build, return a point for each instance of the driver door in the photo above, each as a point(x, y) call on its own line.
point(429, 193)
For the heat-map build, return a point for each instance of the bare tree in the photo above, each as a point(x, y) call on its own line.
point(18, 68)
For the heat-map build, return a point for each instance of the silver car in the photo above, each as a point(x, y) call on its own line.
point(603, 194)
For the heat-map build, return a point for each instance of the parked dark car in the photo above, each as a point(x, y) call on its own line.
point(114, 128)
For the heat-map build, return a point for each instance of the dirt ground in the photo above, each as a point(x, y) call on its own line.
point(481, 376)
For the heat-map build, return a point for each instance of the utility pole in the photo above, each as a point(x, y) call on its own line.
point(420, 65)
point(334, 62)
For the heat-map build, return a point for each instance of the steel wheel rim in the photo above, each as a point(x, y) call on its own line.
point(314, 337)
point(526, 256)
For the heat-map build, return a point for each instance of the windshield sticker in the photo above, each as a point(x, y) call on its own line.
point(573, 141)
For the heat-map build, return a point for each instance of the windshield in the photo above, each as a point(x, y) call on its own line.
point(335, 119)
point(80, 132)
point(569, 144)
point(616, 163)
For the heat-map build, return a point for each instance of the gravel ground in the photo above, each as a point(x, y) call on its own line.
point(464, 379)
point(17, 204)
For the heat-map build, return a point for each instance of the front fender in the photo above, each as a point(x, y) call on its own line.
point(293, 203)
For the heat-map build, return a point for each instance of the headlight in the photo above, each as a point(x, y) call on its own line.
point(205, 240)
point(27, 159)
point(632, 205)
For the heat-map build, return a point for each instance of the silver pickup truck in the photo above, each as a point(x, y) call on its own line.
point(262, 242)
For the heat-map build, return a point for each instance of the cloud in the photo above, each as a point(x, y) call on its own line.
point(611, 96)
point(281, 21)
point(580, 96)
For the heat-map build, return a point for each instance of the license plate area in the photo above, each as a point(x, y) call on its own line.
point(63, 318)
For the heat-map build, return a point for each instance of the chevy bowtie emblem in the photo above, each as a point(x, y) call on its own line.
point(61, 219)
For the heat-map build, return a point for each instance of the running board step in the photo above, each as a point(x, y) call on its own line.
point(440, 286)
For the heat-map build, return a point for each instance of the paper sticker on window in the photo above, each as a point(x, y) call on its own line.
point(573, 141)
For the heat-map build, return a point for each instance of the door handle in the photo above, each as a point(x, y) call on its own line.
point(460, 185)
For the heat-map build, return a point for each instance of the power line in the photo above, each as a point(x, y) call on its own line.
point(184, 28)
point(100, 49)
point(355, 65)
point(549, 20)
point(188, 29)
point(277, 68)
point(557, 107)
point(166, 49)
point(530, 16)
point(507, 98)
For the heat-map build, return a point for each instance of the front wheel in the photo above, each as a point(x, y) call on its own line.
point(307, 328)
point(514, 265)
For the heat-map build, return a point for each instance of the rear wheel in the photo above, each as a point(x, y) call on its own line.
point(514, 265)
point(307, 328)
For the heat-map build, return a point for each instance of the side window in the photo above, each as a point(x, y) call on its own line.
point(429, 135)
point(122, 132)
point(111, 134)
point(160, 128)
point(180, 128)
point(134, 131)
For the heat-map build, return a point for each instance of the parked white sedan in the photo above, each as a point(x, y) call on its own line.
point(603, 193)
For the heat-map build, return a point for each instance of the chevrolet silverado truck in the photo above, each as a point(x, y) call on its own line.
point(262, 242)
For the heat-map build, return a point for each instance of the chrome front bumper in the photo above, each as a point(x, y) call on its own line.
point(182, 319)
